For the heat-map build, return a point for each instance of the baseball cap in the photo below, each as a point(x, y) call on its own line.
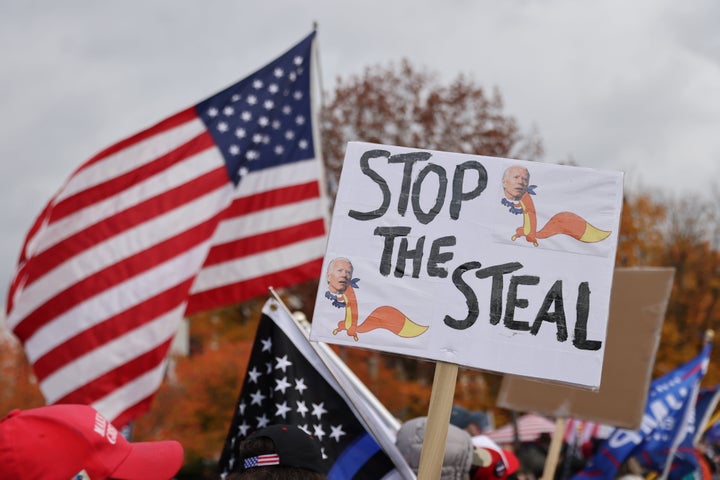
point(502, 462)
point(293, 448)
point(64, 442)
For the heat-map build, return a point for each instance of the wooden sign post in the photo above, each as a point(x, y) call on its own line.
point(438, 421)
point(554, 450)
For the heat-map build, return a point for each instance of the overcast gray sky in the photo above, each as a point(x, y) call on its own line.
point(631, 86)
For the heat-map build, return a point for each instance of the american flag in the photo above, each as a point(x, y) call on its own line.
point(289, 382)
point(262, 460)
point(206, 208)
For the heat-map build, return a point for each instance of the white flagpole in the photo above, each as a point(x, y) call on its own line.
point(701, 423)
point(679, 438)
point(316, 104)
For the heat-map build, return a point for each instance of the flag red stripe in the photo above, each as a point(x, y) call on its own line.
point(265, 242)
point(240, 291)
point(116, 378)
point(113, 275)
point(134, 411)
point(123, 221)
point(273, 198)
point(19, 277)
point(270, 459)
point(107, 331)
point(115, 185)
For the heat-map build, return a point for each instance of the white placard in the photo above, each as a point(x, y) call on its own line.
point(490, 263)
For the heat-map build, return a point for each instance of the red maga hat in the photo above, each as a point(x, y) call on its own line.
point(75, 441)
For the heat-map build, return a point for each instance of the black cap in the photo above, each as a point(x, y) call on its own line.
point(294, 448)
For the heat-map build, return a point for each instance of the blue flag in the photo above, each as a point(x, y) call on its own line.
point(664, 426)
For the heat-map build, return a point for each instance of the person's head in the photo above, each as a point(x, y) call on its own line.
point(459, 450)
point(65, 442)
point(515, 181)
point(339, 274)
point(280, 452)
point(472, 422)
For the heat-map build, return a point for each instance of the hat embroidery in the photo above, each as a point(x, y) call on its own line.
point(261, 461)
point(105, 429)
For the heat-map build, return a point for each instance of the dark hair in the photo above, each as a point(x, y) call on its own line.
point(276, 472)
point(253, 447)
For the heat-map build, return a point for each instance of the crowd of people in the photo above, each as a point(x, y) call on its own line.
point(76, 442)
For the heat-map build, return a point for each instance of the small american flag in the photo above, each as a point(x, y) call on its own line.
point(206, 208)
point(261, 461)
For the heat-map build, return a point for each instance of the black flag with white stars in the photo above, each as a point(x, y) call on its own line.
point(283, 386)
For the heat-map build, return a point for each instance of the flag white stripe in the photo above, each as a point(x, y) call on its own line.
point(286, 175)
point(177, 175)
point(131, 157)
point(115, 249)
point(114, 301)
point(106, 358)
point(260, 264)
point(268, 220)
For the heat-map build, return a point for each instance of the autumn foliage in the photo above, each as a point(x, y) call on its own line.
point(679, 233)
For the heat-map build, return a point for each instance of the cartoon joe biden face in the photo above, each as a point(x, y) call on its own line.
point(515, 181)
point(339, 274)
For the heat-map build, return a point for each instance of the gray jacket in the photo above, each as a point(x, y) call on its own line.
point(458, 448)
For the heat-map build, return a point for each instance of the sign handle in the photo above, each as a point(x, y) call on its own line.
point(554, 450)
point(438, 420)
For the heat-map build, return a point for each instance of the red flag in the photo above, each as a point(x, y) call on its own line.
point(207, 208)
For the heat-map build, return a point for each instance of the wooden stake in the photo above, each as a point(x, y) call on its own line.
point(438, 420)
point(554, 451)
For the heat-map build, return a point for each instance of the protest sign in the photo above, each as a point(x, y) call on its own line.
point(490, 263)
point(637, 310)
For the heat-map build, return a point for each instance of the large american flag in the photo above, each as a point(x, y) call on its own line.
point(206, 208)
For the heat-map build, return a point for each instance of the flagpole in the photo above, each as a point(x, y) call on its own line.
point(323, 352)
point(702, 423)
point(714, 419)
point(317, 86)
